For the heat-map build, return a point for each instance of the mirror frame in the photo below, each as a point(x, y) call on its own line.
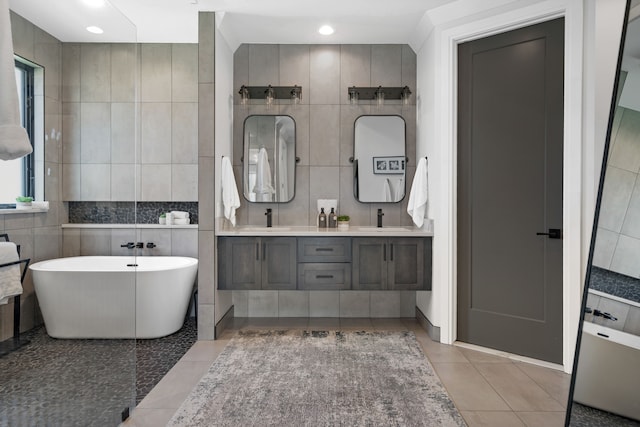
point(354, 160)
point(596, 216)
point(296, 159)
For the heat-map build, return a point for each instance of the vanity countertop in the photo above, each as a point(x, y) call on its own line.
point(252, 230)
point(128, 226)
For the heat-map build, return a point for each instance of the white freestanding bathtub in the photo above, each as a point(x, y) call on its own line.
point(608, 374)
point(114, 296)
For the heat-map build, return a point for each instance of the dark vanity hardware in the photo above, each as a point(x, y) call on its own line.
point(384, 252)
point(151, 245)
point(380, 215)
point(269, 214)
point(554, 233)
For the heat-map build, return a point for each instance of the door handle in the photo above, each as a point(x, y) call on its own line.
point(554, 233)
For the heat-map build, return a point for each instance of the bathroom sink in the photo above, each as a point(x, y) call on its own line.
point(263, 228)
point(384, 229)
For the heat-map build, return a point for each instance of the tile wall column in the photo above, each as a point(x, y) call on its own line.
point(206, 162)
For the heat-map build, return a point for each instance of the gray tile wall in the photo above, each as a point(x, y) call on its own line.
point(108, 241)
point(102, 161)
point(378, 304)
point(324, 121)
point(38, 234)
point(627, 314)
point(618, 239)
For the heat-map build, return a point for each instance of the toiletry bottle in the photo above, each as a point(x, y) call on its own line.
point(333, 219)
point(322, 219)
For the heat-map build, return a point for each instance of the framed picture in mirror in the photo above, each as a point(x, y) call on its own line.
point(388, 165)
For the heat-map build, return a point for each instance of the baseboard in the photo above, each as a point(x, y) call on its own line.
point(223, 323)
point(432, 331)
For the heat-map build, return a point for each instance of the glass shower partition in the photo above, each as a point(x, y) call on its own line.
point(100, 133)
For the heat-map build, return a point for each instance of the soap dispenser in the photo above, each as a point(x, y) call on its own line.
point(333, 219)
point(322, 219)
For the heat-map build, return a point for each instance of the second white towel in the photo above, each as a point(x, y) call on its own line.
point(419, 195)
point(230, 197)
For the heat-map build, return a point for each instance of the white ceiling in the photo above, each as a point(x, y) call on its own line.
point(247, 21)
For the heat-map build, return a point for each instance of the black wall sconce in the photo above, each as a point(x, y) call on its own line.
point(270, 93)
point(378, 94)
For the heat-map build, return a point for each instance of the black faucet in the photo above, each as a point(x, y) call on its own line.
point(380, 214)
point(151, 245)
point(268, 213)
point(605, 315)
point(129, 245)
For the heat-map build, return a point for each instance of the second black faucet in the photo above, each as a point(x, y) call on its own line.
point(269, 215)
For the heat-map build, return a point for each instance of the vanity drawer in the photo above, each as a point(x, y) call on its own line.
point(324, 276)
point(324, 249)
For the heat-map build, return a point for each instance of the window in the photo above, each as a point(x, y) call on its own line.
point(18, 176)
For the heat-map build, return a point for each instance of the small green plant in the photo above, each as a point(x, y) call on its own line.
point(24, 199)
point(163, 215)
point(343, 218)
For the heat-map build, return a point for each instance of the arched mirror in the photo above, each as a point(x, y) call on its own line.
point(379, 162)
point(269, 157)
point(605, 386)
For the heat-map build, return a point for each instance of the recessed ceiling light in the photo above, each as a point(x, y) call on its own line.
point(326, 30)
point(94, 3)
point(95, 30)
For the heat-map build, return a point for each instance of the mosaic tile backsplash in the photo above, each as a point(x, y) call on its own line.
point(126, 212)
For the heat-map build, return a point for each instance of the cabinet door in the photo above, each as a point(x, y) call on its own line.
point(239, 263)
point(406, 264)
point(369, 266)
point(279, 263)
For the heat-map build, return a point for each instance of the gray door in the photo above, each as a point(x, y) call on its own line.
point(510, 118)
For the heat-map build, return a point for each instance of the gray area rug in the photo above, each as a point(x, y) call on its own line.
point(319, 378)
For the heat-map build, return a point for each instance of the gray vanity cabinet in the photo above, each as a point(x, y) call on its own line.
point(267, 263)
point(391, 263)
point(324, 263)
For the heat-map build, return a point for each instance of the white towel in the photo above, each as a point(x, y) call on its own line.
point(9, 276)
point(14, 141)
point(180, 214)
point(230, 197)
point(263, 187)
point(419, 194)
point(386, 191)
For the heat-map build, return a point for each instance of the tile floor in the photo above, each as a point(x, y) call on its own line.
point(488, 390)
point(77, 382)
